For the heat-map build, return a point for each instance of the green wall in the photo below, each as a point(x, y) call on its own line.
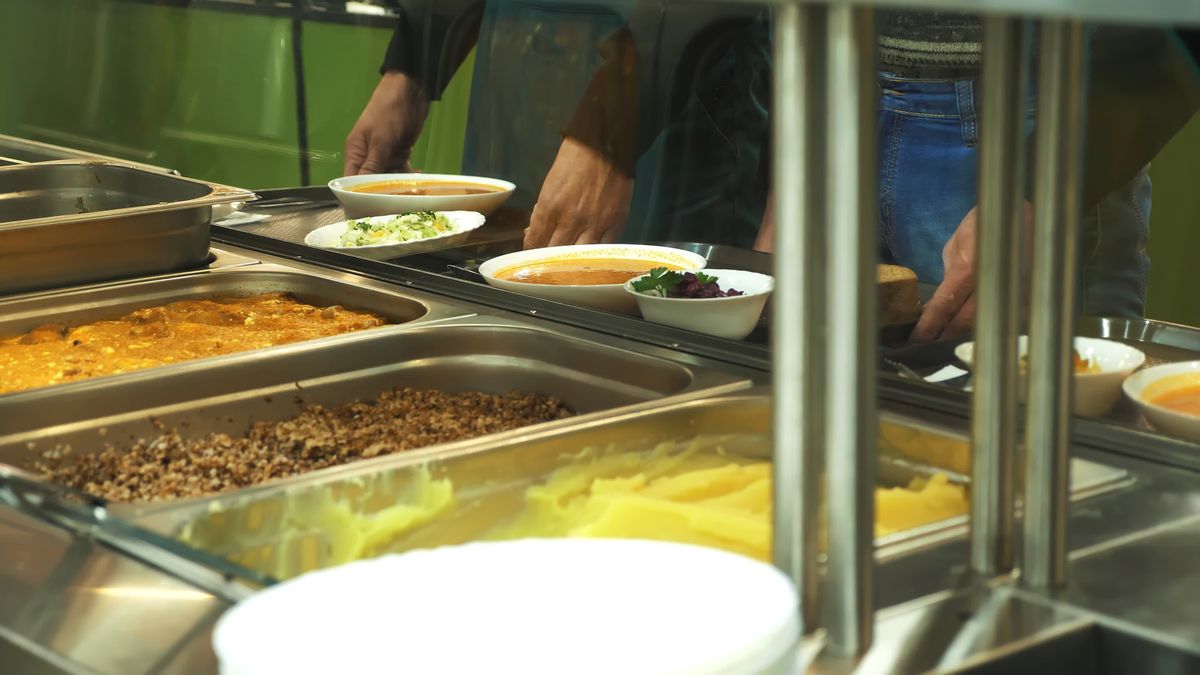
point(1175, 230)
point(210, 93)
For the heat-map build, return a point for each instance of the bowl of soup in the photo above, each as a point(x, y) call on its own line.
point(589, 275)
point(380, 194)
point(1169, 397)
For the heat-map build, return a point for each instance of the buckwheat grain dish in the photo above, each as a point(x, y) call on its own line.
point(156, 336)
point(171, 467)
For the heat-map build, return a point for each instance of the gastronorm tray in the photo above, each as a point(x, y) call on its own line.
point(280, 529)
point(71, 222)
point(42, 405)
point(490, 354)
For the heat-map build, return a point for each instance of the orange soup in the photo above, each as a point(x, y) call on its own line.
point(581, 271)
point(429, 188)
point(1184, 400)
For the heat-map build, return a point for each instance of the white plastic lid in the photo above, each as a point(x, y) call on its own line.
point(535, 606)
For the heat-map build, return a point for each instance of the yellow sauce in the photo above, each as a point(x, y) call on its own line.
point(581, 271)
point(156, 336)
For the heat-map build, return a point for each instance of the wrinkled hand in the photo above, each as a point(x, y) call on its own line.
point(382, 139)
point(584, 200)
point(951, 311)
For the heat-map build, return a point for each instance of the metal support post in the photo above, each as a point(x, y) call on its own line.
point(1057, 211)
point(851, 422)
point(799, 367)
point(1004, 82)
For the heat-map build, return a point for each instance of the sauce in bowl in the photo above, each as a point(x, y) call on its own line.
point(581, 271)
point(428, 188)
point(1184, 400)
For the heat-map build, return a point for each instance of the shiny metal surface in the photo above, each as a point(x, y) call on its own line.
point(1001, 223)
point(489, 354)
point(72, 605)
point(799, 363)
point(73, 222)
point(45, 406)
point(1057, 211)
point(23, 151)
point(851, 324)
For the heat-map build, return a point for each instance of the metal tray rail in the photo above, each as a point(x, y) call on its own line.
point(284, 529)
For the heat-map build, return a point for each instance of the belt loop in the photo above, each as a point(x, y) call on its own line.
point(964, 91)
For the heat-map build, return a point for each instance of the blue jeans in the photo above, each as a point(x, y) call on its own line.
point(928, 146)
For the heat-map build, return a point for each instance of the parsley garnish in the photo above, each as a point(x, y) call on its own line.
point(660, 280)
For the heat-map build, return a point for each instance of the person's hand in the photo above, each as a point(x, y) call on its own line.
point(584, 200)
point(382, 139)
point(765, 241)
point(951, 311)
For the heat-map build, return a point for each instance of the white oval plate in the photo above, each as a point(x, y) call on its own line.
point(463, 222)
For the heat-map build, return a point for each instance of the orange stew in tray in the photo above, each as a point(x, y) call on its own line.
point(156, 336)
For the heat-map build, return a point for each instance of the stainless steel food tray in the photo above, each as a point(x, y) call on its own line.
point(29, 409)
point(72, 222)
point(280, 529)
point(489, 354)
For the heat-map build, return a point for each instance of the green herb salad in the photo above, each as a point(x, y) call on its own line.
point(396, 229)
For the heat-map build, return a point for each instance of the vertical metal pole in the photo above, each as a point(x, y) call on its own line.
point(799, 366)
point(1004, 81)
point(1057, 210)
point(851, 423)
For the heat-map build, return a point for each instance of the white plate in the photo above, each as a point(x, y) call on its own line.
point(609, 297)
point(362, 204)
point(463, 222)
point(532, 606)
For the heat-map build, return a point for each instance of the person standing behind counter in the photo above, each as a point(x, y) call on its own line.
point(1141, 92)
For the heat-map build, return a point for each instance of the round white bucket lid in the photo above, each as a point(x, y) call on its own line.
point(535, 606)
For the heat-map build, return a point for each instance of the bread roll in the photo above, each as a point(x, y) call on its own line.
point(897, 288)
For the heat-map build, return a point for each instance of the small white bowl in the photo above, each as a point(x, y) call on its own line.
point(463, 222)
point(1095, 393)
point(362, 204)
point(733, 317)
point(608, 297)
point(1158, 380)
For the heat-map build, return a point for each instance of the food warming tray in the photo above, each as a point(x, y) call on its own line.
point(72, 222)
point(277, 529)
point(490, 354)
point(42, 406)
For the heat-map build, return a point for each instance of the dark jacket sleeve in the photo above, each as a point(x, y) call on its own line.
point(1142, 89)
point(432, 39)
point(651, 68)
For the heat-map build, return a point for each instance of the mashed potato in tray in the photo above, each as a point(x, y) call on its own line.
point(707, 499)
point(690, 492)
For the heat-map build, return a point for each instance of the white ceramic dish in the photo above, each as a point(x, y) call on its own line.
point(362, 204)
point(1095, 393)
point(733, 318)
point(1158, 380)
point(610, 297)
point(463, 222)
point(531, 606)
